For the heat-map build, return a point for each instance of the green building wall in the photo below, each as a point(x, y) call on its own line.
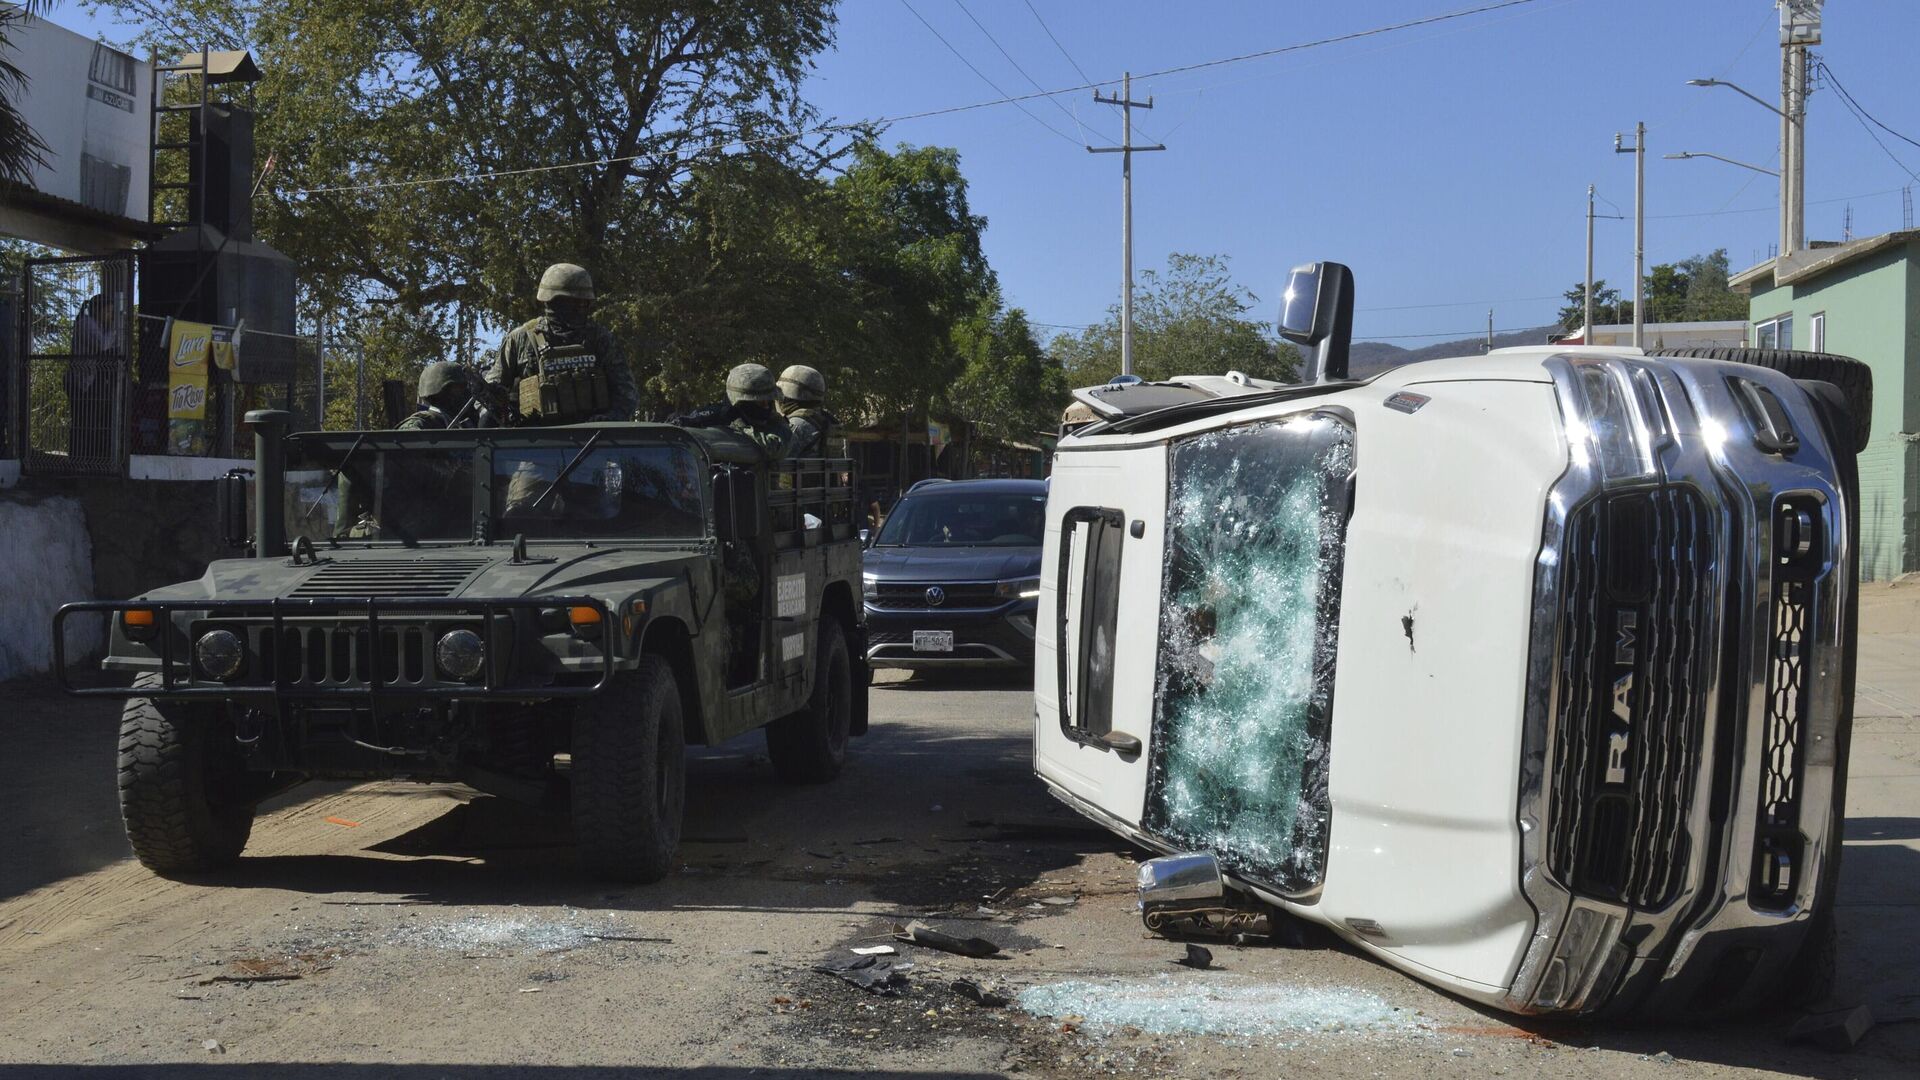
point(1872, 308)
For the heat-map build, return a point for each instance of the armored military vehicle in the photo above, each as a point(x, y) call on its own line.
point(550, 614)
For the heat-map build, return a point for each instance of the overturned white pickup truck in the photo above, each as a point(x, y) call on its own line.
point(1529, 673)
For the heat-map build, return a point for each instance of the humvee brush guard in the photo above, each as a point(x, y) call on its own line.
point(546, 614)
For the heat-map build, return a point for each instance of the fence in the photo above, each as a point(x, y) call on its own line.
point(85, 381)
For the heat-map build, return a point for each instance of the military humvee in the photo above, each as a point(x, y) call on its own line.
point(549, 614)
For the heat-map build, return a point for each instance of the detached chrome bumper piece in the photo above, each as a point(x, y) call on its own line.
point(1687, 652)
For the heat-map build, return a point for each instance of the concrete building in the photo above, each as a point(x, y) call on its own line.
point(1860, 299)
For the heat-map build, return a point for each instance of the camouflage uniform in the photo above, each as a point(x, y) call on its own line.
point(437, 399)
point(801, 391)
point(581, 354)
point(747, 386)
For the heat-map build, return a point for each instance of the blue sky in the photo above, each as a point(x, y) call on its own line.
point(1447, 165)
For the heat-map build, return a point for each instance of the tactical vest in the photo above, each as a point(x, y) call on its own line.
point(568, 385)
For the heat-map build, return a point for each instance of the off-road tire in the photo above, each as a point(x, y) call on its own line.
point(810, 746)
point(1854, 378)
point(183, 785)
point(630, 775)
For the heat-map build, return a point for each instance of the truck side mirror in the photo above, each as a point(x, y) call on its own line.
point(230, 492)
point(1317, 310)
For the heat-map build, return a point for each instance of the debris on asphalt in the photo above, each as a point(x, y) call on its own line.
point(919, 933)
point(213, 1046)
point(877, 840)
point(874, 950)
point(343, 822)
point(1169, 1005)
point(1198, 957)
point(981, 995)
point(529, 989)
point(882, 975)
point(628, 937)
point(1059, 901)
point(1838, 1030)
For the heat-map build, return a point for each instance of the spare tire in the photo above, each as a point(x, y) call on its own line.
point(1854, 378)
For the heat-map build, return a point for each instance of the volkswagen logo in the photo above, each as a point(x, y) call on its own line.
point(936, 596)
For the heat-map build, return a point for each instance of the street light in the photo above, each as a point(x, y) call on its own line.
point(1728, 160)
point(1762, 102)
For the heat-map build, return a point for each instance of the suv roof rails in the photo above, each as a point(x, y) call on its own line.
point(929, 481)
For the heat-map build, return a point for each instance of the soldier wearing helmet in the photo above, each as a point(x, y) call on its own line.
point(442, 400)
point(752, 395)
point(563, 368)
point(803, 391)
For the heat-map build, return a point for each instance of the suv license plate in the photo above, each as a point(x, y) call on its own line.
point(933, 641)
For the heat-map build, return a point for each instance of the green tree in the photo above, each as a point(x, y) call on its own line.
point(1190, 319)
point(1709, 297)
point(1009, 387)
point(1606, 306)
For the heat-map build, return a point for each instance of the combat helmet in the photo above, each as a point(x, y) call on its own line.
point(750, 382)
point(565, 279)
point(801, 383)
point(438, 376)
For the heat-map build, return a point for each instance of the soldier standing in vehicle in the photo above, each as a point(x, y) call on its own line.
point(752, 394)
point(443, 399)
point(563, 368)
point(803, 390)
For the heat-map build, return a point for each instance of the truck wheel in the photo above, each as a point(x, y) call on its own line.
point(184, 795)
point(630, 775)
point(810, 746)
point(1854, 378)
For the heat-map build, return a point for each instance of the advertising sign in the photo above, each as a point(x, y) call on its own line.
point(189, 368)
point(88, 102)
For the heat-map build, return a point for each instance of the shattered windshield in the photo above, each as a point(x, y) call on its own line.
point(1256, 525)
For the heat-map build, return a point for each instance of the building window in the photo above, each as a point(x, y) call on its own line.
point(1775, 333)
point(1817, 332)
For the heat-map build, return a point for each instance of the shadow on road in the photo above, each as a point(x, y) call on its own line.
point(340, 1071)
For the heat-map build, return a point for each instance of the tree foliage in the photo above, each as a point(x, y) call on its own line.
point(21, 148)
point(1009, 386)
point(1691, 290)
point(1191, 319)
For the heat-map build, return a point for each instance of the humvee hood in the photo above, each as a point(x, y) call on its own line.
point(426, 574)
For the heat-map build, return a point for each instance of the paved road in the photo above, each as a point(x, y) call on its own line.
point(415, 932)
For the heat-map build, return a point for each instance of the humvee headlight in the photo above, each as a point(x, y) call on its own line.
point(460, 654)
point(219, 654)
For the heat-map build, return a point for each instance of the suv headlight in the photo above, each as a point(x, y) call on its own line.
point(1610, 426)
point(1022, 588)
point(869, 587)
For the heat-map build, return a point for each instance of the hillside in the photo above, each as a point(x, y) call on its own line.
point(1371, 357)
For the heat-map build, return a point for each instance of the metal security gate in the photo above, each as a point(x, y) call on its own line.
point(72, 380)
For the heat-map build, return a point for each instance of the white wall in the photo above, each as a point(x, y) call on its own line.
point(46, 560)
point(86, 101)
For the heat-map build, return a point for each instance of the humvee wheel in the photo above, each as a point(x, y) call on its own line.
point(629, 775)
point(810, 746)
point(183, 786)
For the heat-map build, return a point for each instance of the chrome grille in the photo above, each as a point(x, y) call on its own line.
point(1635, 661)
point(411, 578)
point(1777, 840)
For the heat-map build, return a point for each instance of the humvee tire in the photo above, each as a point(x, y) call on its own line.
point(183, 787)
point(1854, 379)
point(630, 775)
point(810, 746)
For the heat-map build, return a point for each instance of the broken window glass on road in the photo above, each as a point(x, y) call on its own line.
point(1256, 525)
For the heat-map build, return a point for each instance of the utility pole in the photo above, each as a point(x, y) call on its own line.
point(1639, 152)
point(1489, 347)
point(1126, 150)
point(1586, 337)
point(1799, 28)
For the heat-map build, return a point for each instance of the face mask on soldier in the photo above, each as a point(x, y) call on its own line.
point(568, 311)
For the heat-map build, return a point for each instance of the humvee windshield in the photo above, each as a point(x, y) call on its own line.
point(399, 490)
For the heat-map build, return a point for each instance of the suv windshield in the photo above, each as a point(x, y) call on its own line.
point(966, 519)
point(1256, 524)
point(427, 493)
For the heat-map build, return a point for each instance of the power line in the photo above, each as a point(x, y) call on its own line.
point(1863, 116)
point(1461, 303)
point(924, 114)
point(1479, 332)
point(1015, 102)
point(1827, 70)
point(995, 42)
point(1077, 69)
